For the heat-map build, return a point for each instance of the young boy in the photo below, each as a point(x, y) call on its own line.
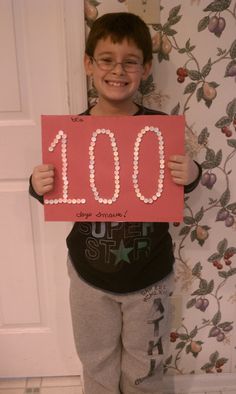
point(121, 273)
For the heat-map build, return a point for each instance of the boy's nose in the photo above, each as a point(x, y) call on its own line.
point(118, 68)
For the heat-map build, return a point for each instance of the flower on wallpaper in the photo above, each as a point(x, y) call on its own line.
point(194, 144)
point(183, 275)
point(232, 298)
point(149, 96)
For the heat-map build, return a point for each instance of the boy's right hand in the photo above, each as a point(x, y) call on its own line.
point(43, 179)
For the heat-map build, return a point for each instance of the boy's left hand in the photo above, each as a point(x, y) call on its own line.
point(183, 169)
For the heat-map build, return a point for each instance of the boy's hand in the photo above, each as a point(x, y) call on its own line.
point(183, 169)
point(43, 178)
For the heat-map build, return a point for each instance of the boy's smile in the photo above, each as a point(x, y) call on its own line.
point(117, 70)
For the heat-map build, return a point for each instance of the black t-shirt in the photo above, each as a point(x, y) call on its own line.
point(122, 257)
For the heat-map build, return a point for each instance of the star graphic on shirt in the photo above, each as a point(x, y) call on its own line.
point(121, 253)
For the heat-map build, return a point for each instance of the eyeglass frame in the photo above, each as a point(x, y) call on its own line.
point(115, 64)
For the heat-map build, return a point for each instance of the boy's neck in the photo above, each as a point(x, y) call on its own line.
point(108, 109)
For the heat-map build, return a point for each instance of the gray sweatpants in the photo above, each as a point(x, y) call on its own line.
point(120, 338)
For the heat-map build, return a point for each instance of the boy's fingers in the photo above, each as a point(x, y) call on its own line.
point(45, 167)
point(177, 158)
point(174, 165)
point(47, 181)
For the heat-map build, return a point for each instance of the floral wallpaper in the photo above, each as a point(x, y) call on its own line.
point(194, 73)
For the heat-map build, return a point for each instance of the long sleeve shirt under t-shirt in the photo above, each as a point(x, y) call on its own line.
point(122, 257)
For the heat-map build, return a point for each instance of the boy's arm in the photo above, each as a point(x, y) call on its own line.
point(41, 181)
point(191, 186)
point(33, 193)
point(185, 171)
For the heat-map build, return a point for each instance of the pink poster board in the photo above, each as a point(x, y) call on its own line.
point(112, 168)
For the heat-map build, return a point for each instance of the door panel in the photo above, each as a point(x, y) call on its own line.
point(35, 325)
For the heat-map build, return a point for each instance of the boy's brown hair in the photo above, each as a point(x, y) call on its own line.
point(119, 26)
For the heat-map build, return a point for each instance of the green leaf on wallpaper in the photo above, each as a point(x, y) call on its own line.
point(169, 360)
point(222, 360)
point(194, 75)
point(193, 333)
point(225, 198)
point(222, 122)
point(231, 109)
point(187, 45)
point(193, 235)
point(183, 337)
point(180, 345)
point(214, 84)
point(210, 286)
point(95, 3)
point(207, 366)
point(214, 357)
point(203, 136)
point(218, 158)
point(207, 165)
point(185, 230)
point(162, 56)
point(169, 32)
point(197, 269)
point(208, 103)
point(174, 11)
point(231, 250)
point(214, 257)
point(232, 271)
point(210, 154)
point(175, 110)
point(157, 27)
point(206, 69)
point(221, 51)
point(200, 292)
point(216, 318)
point(230, 69)
point(218, 5)
point(191, 303)
point(226, 325)
point(174, 20)
point(222, 246)
point(232, 50)
point(203, 284)
point(199, 94)
point(203, 23)
point(199, 215)
point(190, 88)
point(232, 143)
point(189, 220)
point(182, 50)
point(232, 206)
point(223, 274)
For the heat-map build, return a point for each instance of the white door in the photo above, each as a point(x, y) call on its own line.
point(41, 45)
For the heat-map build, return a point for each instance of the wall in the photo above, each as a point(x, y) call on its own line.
point(194, 74)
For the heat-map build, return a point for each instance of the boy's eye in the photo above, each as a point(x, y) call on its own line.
point(130, 61)
point(106, 60)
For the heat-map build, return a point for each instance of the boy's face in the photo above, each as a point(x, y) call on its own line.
point(116, 85)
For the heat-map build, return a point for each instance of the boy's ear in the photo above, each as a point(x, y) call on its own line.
point(147, 67)
point(88, 65)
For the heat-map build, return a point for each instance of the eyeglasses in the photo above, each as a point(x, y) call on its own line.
point(108, 64)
